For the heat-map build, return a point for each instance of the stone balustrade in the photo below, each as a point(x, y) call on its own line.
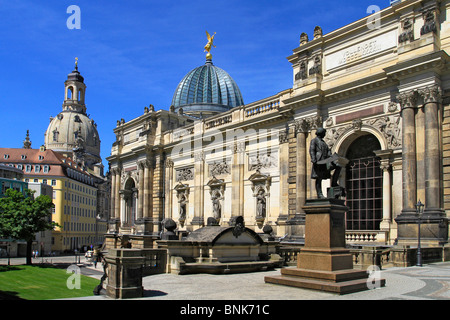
point(363, 236)
point(262, 108)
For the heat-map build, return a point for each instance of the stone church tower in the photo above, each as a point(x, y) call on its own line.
point(72, 133)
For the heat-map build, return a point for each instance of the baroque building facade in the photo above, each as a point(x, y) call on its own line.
point(380, 90)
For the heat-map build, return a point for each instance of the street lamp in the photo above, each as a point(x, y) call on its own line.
point(419, 210)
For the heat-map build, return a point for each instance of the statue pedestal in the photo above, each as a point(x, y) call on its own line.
point(324, 263)
point(124, 273)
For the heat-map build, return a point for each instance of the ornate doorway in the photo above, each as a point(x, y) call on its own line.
point(364, 185)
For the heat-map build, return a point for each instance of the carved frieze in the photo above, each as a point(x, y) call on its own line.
point(219, 168)
point(262, 161)
point(185, 174)
point(388, 126)
point(127, 174)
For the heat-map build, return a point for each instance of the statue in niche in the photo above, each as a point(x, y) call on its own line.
point(182, 202)
point(261, 204)
point(323, 163)
point(217, 207)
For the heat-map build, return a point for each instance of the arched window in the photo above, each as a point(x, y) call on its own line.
point(130, 197)
point(364, 185)
point(69, 93)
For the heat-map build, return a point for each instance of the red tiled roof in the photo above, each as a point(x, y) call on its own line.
point(31, 156)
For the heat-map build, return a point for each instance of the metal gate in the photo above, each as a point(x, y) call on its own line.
point(364, 184)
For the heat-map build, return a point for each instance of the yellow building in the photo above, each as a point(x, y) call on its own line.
point(75, 194)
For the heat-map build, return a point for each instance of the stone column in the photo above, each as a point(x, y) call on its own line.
point(237, 180)
point(140, 206)
point(385, 156)
point(117, 197)
point(284, 175)
point(123, 208)
point(168, 189)
point(113, 193)
point(144, 225)
point(431, 98)
point(409, 184)
point(157, 194)
point(199, 166)
point(146, 203)
point(302, 128)
point(134, 206)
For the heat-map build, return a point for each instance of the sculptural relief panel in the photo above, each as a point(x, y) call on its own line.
point(262, 161)
point(388, 128)
point(185, 174)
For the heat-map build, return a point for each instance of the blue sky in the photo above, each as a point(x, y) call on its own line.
point(134, 53)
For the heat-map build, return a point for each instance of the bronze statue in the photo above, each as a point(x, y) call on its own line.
point(323, 162)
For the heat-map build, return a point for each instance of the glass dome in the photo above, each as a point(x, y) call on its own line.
point(207, 90)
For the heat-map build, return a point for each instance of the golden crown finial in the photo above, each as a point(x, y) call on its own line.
point(209, 45)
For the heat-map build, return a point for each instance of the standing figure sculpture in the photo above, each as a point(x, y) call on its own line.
point(182, 202)
point(261, 204)
point(323, 162)
point(209, 45)
point(217, 207)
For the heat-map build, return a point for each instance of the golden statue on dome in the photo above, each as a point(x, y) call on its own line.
point(209, 45)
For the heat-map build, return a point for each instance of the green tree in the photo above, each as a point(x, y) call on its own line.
point(22, 216)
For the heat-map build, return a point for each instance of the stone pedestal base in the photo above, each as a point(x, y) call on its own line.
point(113, 225)
point(433, 228)
point(340, 282)
point(144, 226)
point(124, 273)
point(324, 263)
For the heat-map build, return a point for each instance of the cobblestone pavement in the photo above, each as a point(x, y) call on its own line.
point(430, 282)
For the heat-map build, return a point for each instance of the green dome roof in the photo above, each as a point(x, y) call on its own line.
point(207, 90)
